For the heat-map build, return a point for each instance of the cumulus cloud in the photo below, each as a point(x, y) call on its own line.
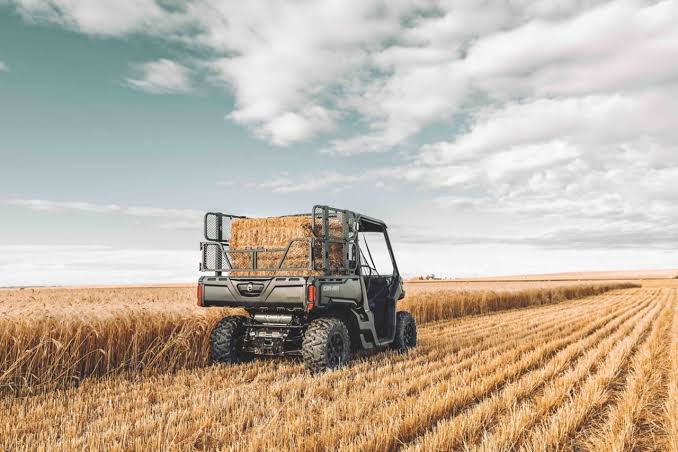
point(161, 77)
point(618, 45)
point(569, 108)
point(290, 58)
point(3, 67)
point(284, 61)
point(447, 64)
point(296, 69)
point(100, 17)
point(588, 151)
point(593, 120)
point(291, 126)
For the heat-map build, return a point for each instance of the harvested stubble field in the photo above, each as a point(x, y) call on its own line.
point(597, 372)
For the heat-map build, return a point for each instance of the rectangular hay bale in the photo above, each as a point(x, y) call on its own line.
point(276, 232)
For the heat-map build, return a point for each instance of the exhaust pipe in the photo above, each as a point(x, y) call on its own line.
point(277, 319)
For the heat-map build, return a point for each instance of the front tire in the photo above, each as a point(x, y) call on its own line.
point(406, 332)
point(226, 340)
point(326, 345)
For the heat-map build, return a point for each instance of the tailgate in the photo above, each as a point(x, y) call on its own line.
point(275, 291)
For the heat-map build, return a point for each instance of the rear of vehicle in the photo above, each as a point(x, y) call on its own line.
point(299, 279)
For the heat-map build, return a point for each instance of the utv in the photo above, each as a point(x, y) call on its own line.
point(342, 299)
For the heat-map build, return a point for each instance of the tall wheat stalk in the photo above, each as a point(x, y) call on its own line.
point(60, 350)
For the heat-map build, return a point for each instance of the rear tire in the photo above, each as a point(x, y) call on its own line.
point(226, 341)
point(326, 345)
point(406, 332)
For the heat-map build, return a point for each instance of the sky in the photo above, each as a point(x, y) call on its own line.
point(494, 137)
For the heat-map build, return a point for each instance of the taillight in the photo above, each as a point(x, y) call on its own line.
point(199, 294)
point(311, 297)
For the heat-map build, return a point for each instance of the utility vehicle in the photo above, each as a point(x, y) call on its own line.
point(342, 307)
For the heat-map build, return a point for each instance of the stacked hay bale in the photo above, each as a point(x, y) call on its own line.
point(277, 232)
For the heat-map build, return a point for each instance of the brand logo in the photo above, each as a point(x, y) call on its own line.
point(250, 287)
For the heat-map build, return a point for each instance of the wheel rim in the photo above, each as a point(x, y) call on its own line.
point(410, 334)
point(335, 350)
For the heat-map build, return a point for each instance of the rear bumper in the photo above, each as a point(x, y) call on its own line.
point(246, 292)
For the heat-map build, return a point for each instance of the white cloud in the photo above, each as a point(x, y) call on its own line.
point(3, 67)
point(569, 108)
point(621, 44)
point(597, 165)
point(99, 17)
point(289, 57)
point(399, 106)
point(598, 238)
point(161, 212)
point(320, 181)
point(478, 258)
point(162, 77)
point(290, 127)
point(77, 206)
point(54, 206)
point(599, 160)
point(284, 61)
point(297, 68)
point(443, 66)
point(529, 158)
point(94, 264)
point(589, 119)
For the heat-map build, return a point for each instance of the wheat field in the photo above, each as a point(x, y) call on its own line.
point(52, 338)
point(567, 371)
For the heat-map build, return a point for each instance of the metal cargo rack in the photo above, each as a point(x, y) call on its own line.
point(217, 255)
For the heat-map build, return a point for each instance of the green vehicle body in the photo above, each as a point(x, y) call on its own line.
point(323, 318)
